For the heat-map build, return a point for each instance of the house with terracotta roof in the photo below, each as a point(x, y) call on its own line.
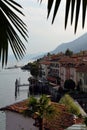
point(15, 119)
point(66, 67)
point(60, 66)
point(54, 71)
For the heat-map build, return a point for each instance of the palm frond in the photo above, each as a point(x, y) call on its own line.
point(50, 3)
point(78, 3)
point(57, 3)
point(84, 6)
point(10, 26)
point(72, 10)
point(67, 11)
point(72, 4)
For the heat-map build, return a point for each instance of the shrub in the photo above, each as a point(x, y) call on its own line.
point(71, 105)
point(69, 84)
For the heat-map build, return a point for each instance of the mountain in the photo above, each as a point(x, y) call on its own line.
point(27, 58)
point(77, 45)
point(38, 56)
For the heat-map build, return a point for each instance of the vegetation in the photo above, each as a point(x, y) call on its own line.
point(34, 69)
point(68, 52)
point(69, 84)
point(40, 107)
point(70, 104)
point(11, 28)
point(85, 120)
point(70, 6)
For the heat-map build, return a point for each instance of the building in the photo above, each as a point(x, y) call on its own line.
point(59, 68)
point(67, 69)
point(82, 77)
point(15, 119)
point(44, 69)
point(53, 73)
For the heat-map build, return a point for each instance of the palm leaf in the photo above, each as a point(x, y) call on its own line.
point(57, 3)
point(50, 3)
point(72, 10)
point(69, 3)
point(10, 26)
point(84, 6)
point(67, 11)
point(78, 3)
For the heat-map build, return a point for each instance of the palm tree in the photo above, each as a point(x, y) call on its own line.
point(40, 107)
point(10, 26)
point(72, 4)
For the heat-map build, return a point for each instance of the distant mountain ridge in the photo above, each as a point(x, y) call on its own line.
point(76, 45)
point(27, 58)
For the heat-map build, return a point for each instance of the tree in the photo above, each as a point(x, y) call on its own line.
point(41, 107)
point(69, 84)
point(34, 69)
point(10, 26)
point(68, 52)
point(48, 54)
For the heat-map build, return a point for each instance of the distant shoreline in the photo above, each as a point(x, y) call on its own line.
point(13, 67)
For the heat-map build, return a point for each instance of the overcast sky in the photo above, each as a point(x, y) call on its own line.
point(43, 36)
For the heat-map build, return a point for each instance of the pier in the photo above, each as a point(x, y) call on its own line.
point(18, 85)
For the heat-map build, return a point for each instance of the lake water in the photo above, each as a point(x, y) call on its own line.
point(7, 89)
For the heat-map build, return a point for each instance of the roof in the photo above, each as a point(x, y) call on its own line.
point(60, 121)
point(16, 107)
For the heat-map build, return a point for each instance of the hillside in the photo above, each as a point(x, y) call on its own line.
point(76, 45)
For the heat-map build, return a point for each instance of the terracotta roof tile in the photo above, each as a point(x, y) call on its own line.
point(45, 62)
point(60, 121)
point(16, 107)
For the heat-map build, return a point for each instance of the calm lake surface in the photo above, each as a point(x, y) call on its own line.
point(7, 89)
